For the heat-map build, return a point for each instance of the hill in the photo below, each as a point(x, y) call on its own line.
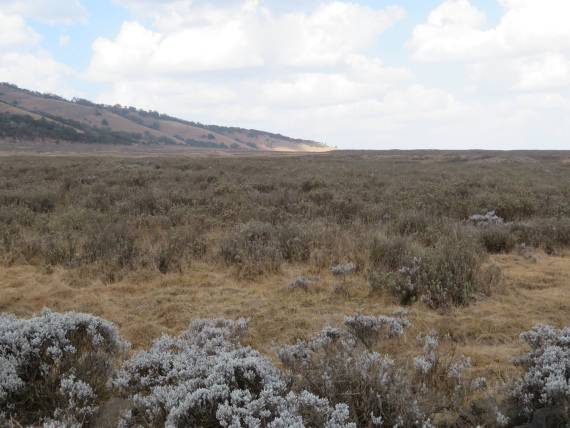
point(26, 114)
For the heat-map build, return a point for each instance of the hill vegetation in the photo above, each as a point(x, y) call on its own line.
point(26, 114)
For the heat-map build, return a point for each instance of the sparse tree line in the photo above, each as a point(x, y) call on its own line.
point(135, 115)
point(25, 127)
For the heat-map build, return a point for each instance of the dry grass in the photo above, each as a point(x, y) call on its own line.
point(144, 305)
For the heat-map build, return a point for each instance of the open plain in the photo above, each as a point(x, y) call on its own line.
point(152, 242)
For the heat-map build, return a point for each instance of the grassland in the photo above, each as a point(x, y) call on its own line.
point(151, 243)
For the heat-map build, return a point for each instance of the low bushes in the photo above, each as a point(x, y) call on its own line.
point(448, 274)
point(252, 248)
point(546, 380)
point(114, 216)
point(205, 377)
point(350, 365)
point(57, 368)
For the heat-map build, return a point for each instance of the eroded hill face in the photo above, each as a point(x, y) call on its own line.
point(127, 125)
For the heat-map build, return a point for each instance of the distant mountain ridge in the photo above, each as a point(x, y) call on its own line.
point(26, 114)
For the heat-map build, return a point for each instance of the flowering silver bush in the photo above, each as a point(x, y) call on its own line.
point(339, 364)
point(55, 366)
point(486, 220)
point(205, 377)
point(367, 328)
point(547, 378)
point(343, 270)
point(444, 376)
point(301, 282)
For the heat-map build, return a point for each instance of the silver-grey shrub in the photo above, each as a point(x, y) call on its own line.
point(301, 282)
point(343, 270)
point(55, 366)
point(546, 381)
point(340, 364)
point(486, 220)
point(205, 377)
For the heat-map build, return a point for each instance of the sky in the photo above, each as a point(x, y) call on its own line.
point(362, 74)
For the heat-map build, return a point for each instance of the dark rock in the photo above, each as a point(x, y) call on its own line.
point(109, 413)
point(484, 413)
point(549, 417)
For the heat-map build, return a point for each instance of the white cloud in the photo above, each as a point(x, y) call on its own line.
point(305, 70)
point(37, 71)
point(190, 39)
point(158, 8)
point(527, 51)
point(362, 78)
point(533, 26)
point(527, 73)
point(179, 98)
point(130, 53)
point(139, 51)
point(546, 101)
point(63, 41)
point(255, 67)
point(23, 64)
point(546, 71)
point(333, 31)
point(53, 12)
point(15, 34)
point(456, 31)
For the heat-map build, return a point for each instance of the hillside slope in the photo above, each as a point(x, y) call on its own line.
point(128, 125)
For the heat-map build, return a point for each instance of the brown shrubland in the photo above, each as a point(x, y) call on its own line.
point(153, 243)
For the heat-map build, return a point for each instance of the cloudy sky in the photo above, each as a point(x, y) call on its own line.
point(366, 74)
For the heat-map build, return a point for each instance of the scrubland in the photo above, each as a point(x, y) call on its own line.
point(472, 245)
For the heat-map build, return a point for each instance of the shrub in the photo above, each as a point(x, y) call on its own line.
point(446, 275)
point(343, 270)
point(391, 253)
point(546, 382)
point(449, 274)
point(444, 375)
point(550, 234)
point(496, 239)
point(205, 377)
point(252, 248)
point(177, 248)
point(420, 225)
point(301, 282)
point(295, 241)
point(334, 365)
point(55, 366)
point(517, 206)
point(379, 212)
point(343, 366)
point(114, 246)
point(489, 219)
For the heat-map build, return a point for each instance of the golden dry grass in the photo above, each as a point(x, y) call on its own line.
point(145, 305)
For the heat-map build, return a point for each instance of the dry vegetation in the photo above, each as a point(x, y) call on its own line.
point(153, 243)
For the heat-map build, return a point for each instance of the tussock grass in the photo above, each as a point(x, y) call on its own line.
point(144, 305)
